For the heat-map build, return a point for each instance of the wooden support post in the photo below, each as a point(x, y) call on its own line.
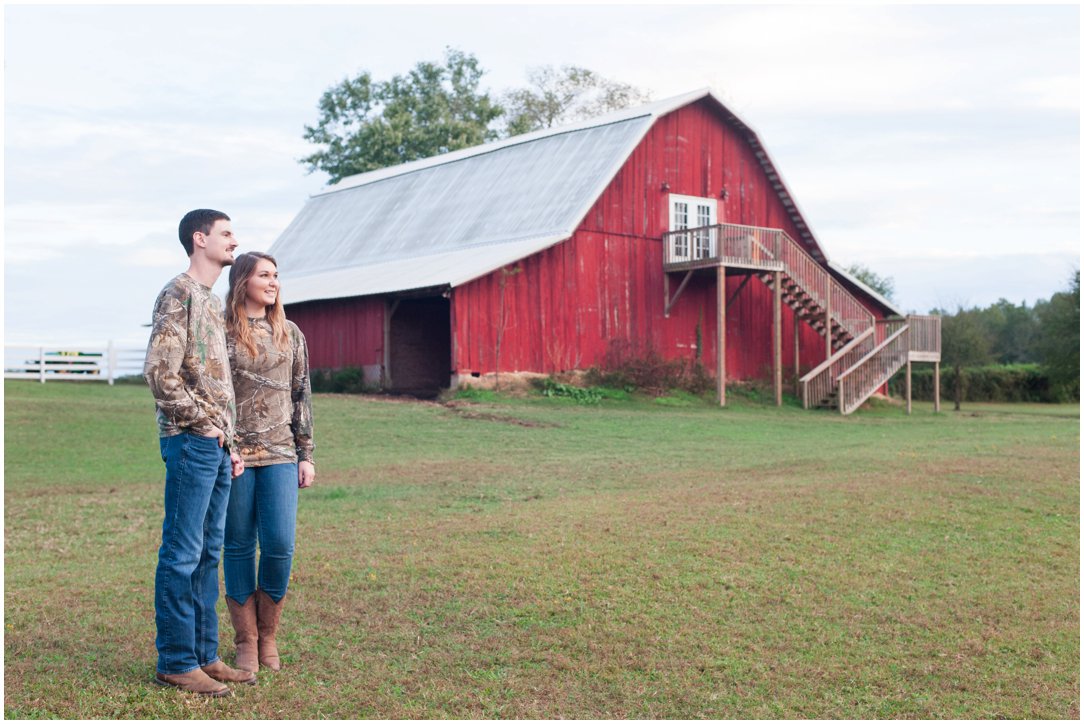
point(666, 295)
point(41, 365)
point(828, 322)
point(937, 387)
point(908, 386)
point(389, 310)
point(720, 335)
point(681, 287)
point(777, 337)
point(797, 358)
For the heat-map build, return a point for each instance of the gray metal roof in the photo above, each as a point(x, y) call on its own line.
point(445, 220)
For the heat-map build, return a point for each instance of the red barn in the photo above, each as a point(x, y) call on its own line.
point(665, 228)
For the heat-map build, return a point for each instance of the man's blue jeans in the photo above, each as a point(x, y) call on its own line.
point(186, 581)
point(263, 506)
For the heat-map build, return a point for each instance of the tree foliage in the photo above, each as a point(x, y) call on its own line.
point(366, 124)
point(557, 96)
point(885, 286)
point(1012, 331)
point(963, 344)
point(1015, 334)
point(1059, 345)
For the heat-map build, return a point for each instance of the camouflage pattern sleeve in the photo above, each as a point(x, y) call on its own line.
point(301, 395)
point(165, 356)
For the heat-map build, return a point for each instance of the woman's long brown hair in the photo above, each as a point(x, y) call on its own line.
point(237, 324)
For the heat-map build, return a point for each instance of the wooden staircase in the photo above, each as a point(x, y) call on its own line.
point(858, 369)
point(808, 309)
point(864, 351)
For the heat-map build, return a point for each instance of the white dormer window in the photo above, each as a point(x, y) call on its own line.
point(695, 213)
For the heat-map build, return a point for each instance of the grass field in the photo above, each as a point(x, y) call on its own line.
point(535, 558)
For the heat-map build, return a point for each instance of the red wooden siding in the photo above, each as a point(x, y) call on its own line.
point(342, 332)
point(602, 289)
point(595, 294)
point(601, 292)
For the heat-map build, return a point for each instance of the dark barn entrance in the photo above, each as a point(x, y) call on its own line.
point(419, 346)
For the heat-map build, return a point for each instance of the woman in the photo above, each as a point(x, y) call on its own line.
point(270, 366)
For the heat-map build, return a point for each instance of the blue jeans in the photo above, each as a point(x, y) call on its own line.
point(186, 580)
point(263, 506)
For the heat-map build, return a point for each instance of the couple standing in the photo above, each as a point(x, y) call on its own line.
point(235, 428)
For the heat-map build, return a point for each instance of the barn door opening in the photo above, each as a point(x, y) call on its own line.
point(420, 346)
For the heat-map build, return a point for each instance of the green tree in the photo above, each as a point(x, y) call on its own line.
point(963, 344)
point(1059, 343)
point(885, 286)
point(366, 124)
point(556, 96)
point(1012, 331)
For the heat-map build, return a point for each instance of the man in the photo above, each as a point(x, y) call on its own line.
point(189, 375)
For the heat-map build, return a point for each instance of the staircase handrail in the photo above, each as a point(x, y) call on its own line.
point(740, 243)
point(926, 333)
point(819, 382)
point(851, 314)
point(880, 367)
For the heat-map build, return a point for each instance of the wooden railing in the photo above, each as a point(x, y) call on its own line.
point(925, 337)
point(862, 379)
point(72, 363)
point(728, 244)
point(869, 358)
point(767, 249)
point(820, 382)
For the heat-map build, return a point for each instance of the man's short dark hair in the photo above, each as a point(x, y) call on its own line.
point(201, 220)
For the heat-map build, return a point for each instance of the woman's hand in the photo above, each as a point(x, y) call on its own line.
point(237, 464)
point(306, 473)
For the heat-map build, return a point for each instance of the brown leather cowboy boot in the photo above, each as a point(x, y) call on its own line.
point(219, 671)
point(243, 618)
point(268, 614)
point(196, 681)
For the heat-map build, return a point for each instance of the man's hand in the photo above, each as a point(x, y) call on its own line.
point(237, 464)
point(215, 432)
point(306, 473)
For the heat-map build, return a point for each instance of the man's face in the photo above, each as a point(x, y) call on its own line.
point(218, 244)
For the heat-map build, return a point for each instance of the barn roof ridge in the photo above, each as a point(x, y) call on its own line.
point(654, 109)
point(524, 198)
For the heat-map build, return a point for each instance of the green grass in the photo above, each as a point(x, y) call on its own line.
point(536, 558)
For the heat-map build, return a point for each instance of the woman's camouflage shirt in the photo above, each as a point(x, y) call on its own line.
point(274, 399)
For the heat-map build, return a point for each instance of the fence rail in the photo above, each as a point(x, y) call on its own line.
point(72, 362)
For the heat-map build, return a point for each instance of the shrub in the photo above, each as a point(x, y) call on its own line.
point(349, 380)
point(627, 367)
point(989, 383)
point(582, 395)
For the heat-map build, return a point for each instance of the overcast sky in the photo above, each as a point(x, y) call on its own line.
point(936, 145)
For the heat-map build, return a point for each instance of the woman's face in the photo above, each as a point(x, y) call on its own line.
point(262, 288)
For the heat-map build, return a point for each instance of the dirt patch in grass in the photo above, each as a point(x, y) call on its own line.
point(468, 411)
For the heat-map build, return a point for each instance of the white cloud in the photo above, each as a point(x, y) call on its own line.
point(905, 132)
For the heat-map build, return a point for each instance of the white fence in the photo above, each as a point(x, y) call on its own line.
point(72, 363)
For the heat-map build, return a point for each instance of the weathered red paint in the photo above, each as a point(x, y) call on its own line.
point(602, 290)
point(342, 332)
point(599, 295)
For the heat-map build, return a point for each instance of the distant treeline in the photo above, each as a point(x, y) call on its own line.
point(1008, 352)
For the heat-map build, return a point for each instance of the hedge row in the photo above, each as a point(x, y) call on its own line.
point(992, 383)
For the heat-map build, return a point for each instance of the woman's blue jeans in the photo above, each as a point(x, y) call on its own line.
point(263, 507)
point(186, 580)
